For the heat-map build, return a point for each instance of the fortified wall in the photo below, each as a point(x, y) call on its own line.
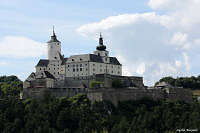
point(106, 79)
point(113, 95)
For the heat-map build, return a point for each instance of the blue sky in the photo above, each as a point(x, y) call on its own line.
point(152, 38)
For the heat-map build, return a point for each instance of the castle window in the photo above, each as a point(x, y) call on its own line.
point(111, 71)
point(73, 65)
point(77, 69)
point(58, 68)
point(80, 59)
point(93, 64)
point(73, 70)
point(80, 65)
point(118, 72)
point(54, 73)
point(105, 59)
point(40, 68)
point(49, 68)
point(54, 68)
point(72, 59)
point(106, 54)
point(86, 69)
point(58, 72)
point(44, 68)
point(118, 67)
point(93, 69)
point(85, 64)
point(99, 54)
point(100, 65)
point(77, 65)
point(80, 69)
point(100, 70)
point(112, 66)
point(68, 65)
point(51, 47)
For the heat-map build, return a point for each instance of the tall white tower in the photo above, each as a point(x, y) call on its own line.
point(54, 48)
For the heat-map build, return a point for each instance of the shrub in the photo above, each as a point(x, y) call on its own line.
point(96, 83)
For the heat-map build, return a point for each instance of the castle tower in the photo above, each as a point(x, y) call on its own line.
point(54, 48)
point(101, 50)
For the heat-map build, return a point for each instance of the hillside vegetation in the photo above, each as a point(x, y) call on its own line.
point(185, 82)
point(78, 114)
point(10, 86)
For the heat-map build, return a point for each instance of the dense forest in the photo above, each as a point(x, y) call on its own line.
point(10, 86)
point(78, 114)
point(185, 82)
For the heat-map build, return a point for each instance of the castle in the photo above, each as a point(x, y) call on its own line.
point(61, 76)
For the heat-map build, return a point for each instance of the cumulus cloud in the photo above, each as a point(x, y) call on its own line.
point(150, 44)
point(186, 61)
point(21, 47)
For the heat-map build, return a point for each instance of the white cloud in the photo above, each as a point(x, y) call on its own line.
point(186, 61)
point(151, 44)
point(141, 69)
point(178, 63)
point(21, 47)
point(179, 38)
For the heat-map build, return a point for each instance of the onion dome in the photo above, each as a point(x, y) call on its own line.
point(101, 47)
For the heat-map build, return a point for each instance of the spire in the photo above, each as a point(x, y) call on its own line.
point(100, 39)
point(53, 37)
point(54, 32)
point(101, 47)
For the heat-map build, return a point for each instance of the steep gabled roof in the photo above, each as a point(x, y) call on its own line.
point(32, 75)
point(95, 58)
point(163, 84)
point(114, 61)
point(85, 57)
point(49, 75)
point(43, 63)
point(64, 60)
